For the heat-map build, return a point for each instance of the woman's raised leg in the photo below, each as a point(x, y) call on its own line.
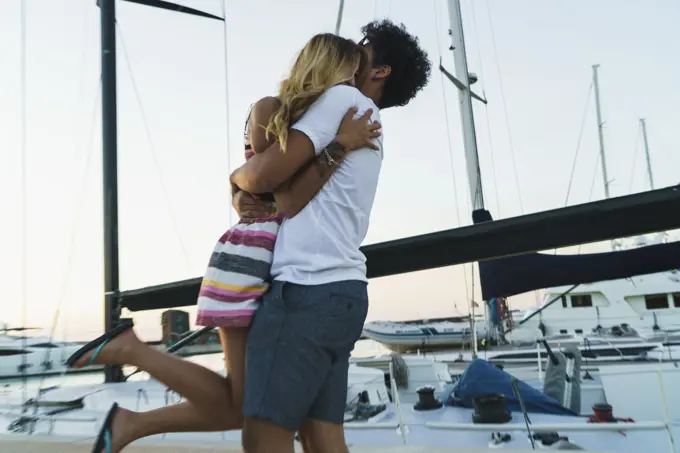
point(213, 402)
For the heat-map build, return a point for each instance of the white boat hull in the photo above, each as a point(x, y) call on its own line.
point(403, 337)
point(36, 363)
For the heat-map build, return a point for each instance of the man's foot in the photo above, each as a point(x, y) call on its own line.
point(114, 351)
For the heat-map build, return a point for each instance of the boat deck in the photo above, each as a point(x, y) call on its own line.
point(450, 427)
point(19, 444)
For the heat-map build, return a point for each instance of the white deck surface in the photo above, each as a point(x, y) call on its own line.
point(382, 431)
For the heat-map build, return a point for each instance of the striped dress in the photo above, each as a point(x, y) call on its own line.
point(239, 270)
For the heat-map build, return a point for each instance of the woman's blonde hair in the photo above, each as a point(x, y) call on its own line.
point(325, 61)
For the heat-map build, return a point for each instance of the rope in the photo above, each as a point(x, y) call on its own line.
point(152, 146)
point(449, 143)
point(505, 107)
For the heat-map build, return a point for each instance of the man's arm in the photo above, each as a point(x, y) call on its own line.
point(353, 134)
point(267, 171)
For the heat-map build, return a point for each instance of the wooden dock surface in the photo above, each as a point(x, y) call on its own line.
point(38, 444)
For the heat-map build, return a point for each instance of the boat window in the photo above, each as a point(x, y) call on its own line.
point(676, 300)
point(656, 301)
point(44, 345)
point(583, 300)
point(7, 352)
point(578, 331)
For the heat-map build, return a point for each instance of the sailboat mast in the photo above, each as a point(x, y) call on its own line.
point(467, 119)
point(107, 10)
point(338, 22)
point(600, 133)
point(465, 104)
point(643, 125)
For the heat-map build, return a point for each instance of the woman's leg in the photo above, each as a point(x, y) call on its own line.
point(234, 346)
point(211, 402)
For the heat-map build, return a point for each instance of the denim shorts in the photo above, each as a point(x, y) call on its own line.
point(298, 351)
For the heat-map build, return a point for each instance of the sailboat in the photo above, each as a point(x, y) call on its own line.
point(490, 405)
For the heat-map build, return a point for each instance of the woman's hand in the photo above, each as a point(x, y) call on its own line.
point(358, 133)
point(249, 207)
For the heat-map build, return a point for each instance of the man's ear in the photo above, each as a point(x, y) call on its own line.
point(382, 72)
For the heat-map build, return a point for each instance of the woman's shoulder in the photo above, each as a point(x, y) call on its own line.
point(267, 102)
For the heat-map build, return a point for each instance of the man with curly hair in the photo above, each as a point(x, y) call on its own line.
point(303, 333)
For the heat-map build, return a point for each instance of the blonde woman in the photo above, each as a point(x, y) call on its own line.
point(238, 272)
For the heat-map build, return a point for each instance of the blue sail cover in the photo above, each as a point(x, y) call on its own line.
point(504, 277)
point(483, 378)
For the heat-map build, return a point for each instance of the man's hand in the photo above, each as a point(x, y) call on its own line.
point(249, 207)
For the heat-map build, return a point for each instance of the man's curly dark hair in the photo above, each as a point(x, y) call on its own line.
point(393, 46)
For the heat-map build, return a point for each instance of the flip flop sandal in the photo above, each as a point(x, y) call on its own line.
point(103, 443)
point(98, 343)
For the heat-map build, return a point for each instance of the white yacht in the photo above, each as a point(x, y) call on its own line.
point(22, 356)
point(413, 335)
point(643, 308)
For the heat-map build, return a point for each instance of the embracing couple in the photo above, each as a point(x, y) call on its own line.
point(287, 285)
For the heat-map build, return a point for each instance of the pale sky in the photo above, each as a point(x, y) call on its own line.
point(544, 51)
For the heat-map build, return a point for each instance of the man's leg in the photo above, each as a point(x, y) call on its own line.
point(318, 434)
point(323, 430)
point(298, 335)
point(284, 370)
point(322, 437)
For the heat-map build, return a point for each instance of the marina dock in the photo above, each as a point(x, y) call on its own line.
point(37, 444)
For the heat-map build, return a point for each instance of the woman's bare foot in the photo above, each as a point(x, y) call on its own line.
point(118, 351)
point(122, 429)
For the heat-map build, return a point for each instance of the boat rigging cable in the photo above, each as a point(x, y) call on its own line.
point(573, 165)
point(505, 106)
point(152, 147)
point(482, 82)
point(223, 5)
point(635, 154)
point(80, 209)
point(80, 196)
point(24, 201)
point(578, 144)
point(80, 206)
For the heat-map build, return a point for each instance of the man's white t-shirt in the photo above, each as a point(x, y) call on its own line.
point(321, 243)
